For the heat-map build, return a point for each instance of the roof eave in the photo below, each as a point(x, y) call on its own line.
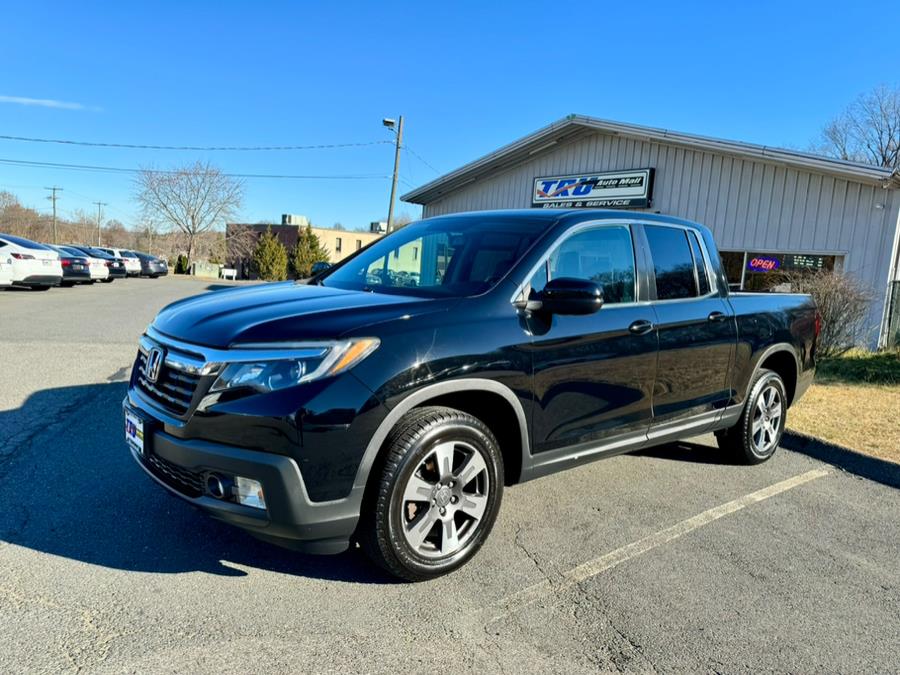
point(521, 149)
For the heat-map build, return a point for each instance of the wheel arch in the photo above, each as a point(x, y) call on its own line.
point(782, 359)
point(474, 396)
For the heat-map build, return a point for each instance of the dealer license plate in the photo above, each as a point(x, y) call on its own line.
point(134, 432)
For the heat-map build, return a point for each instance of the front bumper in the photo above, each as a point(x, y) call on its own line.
point(290, 519)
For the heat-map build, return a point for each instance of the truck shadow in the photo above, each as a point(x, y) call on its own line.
point(70, 488)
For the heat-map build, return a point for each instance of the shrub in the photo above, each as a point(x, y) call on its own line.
point(270, 259)
point(181, 264)
point(309, 250)
point(843, 302)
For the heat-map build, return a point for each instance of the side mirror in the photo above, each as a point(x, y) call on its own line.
point(571, 296)
point(319, 267)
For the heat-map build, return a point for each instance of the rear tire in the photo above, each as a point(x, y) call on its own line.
point(756, 436)
point(435, 496)
point(108, 281)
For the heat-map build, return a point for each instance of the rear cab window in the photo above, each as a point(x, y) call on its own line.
point(678, 263)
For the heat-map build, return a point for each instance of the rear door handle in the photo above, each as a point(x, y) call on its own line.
point(717, 316)
point(641, 327)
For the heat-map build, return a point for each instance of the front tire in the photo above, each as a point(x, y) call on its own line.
point(436, 494)
point(756, 436)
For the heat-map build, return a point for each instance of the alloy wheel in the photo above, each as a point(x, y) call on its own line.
point(444, 499)
point(766, 427)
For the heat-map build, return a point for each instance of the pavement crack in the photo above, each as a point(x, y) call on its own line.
point(549, 577)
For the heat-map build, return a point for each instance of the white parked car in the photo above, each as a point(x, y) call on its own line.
point(132, 262)
point(33, 265)
point(98, 266)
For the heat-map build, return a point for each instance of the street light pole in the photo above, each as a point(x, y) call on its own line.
point(390, 124)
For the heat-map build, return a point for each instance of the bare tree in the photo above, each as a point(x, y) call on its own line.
point(193, 199)
point(868, 130)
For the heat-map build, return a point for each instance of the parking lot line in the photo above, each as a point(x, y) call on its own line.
point(521, 599)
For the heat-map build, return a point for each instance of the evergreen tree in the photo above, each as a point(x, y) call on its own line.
point(308, 250)
point(181, 264)
point(270, 258)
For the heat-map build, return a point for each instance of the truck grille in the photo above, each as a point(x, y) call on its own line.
point(174, 390)
point(187, 482)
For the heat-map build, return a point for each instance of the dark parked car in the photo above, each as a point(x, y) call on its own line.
point(76, 269)
point(151, 266)
point(116, 265)
point(352, 408)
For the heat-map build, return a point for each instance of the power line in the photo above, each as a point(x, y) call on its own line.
point(414, 154)
point(119, 169)
point(201, 148)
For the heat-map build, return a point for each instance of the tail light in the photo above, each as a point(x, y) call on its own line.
point(818, 324)
point(108, 264)
point(22, 256)
point(65, 262)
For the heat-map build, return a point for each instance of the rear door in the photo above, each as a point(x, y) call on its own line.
point(696, 329)
point(593, 375)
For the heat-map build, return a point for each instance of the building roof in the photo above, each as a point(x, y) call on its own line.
point(575, 126)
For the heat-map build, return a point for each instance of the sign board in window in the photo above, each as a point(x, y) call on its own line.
point(763, 263)
point(788, 262)
point(612, 189)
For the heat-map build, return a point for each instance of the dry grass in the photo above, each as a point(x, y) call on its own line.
point(863, 417)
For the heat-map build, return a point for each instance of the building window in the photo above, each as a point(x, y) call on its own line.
point(358, 244)
point(337, 245)
point(761, 271)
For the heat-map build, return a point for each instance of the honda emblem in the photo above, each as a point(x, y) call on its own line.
point(154, 362)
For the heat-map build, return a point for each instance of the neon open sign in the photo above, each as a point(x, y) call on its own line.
point(762, 263)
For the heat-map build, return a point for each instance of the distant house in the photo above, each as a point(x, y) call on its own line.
point(241, 240)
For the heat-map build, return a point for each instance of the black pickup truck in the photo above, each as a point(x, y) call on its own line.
point(388, 400)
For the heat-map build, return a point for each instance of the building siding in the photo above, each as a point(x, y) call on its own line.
point(747, 203)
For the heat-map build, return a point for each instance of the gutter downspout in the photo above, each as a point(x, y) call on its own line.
point(892, 275)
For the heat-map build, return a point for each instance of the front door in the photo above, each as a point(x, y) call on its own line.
point(696, 327)
point(593, 375)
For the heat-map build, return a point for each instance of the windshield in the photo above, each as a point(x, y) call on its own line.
point(444, 257)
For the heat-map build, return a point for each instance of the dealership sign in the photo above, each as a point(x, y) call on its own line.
point(614, 189)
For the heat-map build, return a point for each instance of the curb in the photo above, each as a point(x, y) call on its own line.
point(873, 468)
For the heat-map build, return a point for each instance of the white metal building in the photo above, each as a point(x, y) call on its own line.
point(770, 209)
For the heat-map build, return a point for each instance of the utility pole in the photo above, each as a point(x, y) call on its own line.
point(100, 205)
point(390, 124)
point(53, 198)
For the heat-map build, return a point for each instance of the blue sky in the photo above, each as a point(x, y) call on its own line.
point(468, 77)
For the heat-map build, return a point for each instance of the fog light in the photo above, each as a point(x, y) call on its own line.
point(249, 492)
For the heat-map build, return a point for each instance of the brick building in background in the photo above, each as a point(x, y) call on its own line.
point(239, 248)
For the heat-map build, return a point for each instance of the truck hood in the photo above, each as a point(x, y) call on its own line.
point(282, 312)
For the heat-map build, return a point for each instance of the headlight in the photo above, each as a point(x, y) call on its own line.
point(268, 367)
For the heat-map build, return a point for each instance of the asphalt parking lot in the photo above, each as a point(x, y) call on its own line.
point(669, 560)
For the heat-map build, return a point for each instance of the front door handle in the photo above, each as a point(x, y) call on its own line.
point(717, 316)
point(641, 327)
